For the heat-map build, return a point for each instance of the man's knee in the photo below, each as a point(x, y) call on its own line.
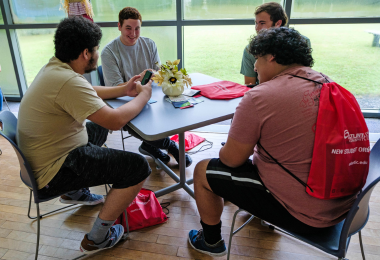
point(143, 164)
point(200, 172)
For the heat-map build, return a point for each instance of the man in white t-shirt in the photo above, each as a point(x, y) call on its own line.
point(131, 54)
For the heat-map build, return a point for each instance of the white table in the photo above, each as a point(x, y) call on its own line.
point(161, 119)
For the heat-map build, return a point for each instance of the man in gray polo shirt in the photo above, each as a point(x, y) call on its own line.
point(266, 15)
point(129, 55)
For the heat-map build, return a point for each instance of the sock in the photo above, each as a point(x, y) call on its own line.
point(212, 233)
point(99, 230)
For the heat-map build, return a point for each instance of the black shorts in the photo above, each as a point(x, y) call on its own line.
point(93, 165)
point(243, 187)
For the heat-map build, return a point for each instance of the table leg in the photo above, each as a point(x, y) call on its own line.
point(182, 183)
point(182, 165)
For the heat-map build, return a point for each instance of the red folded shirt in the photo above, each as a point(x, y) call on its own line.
point(222, 90)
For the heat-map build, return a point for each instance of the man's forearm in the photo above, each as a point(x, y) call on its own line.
point(131, 109)
point(109, 92)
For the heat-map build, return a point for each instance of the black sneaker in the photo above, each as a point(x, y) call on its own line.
point(198, 242)
point(173, 149)
point(154, 152)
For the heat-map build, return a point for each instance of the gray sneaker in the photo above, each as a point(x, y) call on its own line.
point(82, 196)
point(115, 234)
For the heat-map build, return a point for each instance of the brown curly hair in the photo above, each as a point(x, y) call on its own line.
point(275, 11)
point(287, 46)
point(129, 13)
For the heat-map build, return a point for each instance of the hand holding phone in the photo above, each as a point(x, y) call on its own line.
point(146, 78)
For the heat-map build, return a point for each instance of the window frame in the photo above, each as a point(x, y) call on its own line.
point(179, 23)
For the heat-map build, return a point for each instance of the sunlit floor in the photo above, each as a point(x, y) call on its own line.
point(62, 232)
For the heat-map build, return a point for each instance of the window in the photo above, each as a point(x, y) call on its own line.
point(344, 52)
point(37, 47)
point(1, 17)
point(216, 50)
point(335, 8)
point(105, 10)
point(36, 11)
point(221, 9)
point(8, 82)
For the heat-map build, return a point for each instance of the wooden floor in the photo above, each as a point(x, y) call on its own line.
point(62, 232)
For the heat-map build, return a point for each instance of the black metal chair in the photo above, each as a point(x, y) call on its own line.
point(101, 81)
point(8, 131)
point(335, 240)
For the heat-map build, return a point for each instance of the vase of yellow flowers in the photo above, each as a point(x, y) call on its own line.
point(172, 80)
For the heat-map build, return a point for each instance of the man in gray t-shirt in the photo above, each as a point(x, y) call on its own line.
point(266, 15)
point(129, 55)
point(121, 62)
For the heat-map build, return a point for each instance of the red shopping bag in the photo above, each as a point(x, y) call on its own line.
point(144, 211)
point(341, 147)
point(191, 140)
point(222, 90)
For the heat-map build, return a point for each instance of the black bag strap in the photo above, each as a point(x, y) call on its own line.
point(291, 174)
point(294, 176)
point(310, 79)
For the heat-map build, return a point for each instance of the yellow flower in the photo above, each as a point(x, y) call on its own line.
point(170, 77)
point(157, 77)
point(187, 80)
point(176, 62)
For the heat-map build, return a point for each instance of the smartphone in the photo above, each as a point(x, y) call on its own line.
point(146, 78)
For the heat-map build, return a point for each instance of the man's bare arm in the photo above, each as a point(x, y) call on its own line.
point(249, 80)
point(123, 89)
point(235, 153)
point(114, 119)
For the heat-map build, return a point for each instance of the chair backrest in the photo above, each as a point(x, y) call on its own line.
point(1, 100)
point(8, 131)
point(358, 216)
point(100, 74)
point(9, 125)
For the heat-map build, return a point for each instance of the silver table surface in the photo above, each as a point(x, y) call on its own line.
point(159, 120)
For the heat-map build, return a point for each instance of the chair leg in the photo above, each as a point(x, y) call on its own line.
point(38, 228)
point(361, 244)
point(126, 234)
point(50, 212)
point(232, 232)
point(122, 139)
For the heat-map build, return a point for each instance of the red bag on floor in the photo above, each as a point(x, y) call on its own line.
point(222, 90)
point(340, 160)
point(191, 140)
point(144, 211)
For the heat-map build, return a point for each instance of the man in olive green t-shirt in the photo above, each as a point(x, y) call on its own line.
point(266, 15)
point(64, 151)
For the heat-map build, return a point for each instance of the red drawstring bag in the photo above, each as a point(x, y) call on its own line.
point(222, 90)
point(144, 211)
point(191, 140)
point(340, 160)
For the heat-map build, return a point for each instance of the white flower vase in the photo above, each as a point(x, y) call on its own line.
point(173, 91)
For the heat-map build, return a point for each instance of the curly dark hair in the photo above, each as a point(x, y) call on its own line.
point(129, 13)
point(275, 11)
point(74, 35)
point(287, 46)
